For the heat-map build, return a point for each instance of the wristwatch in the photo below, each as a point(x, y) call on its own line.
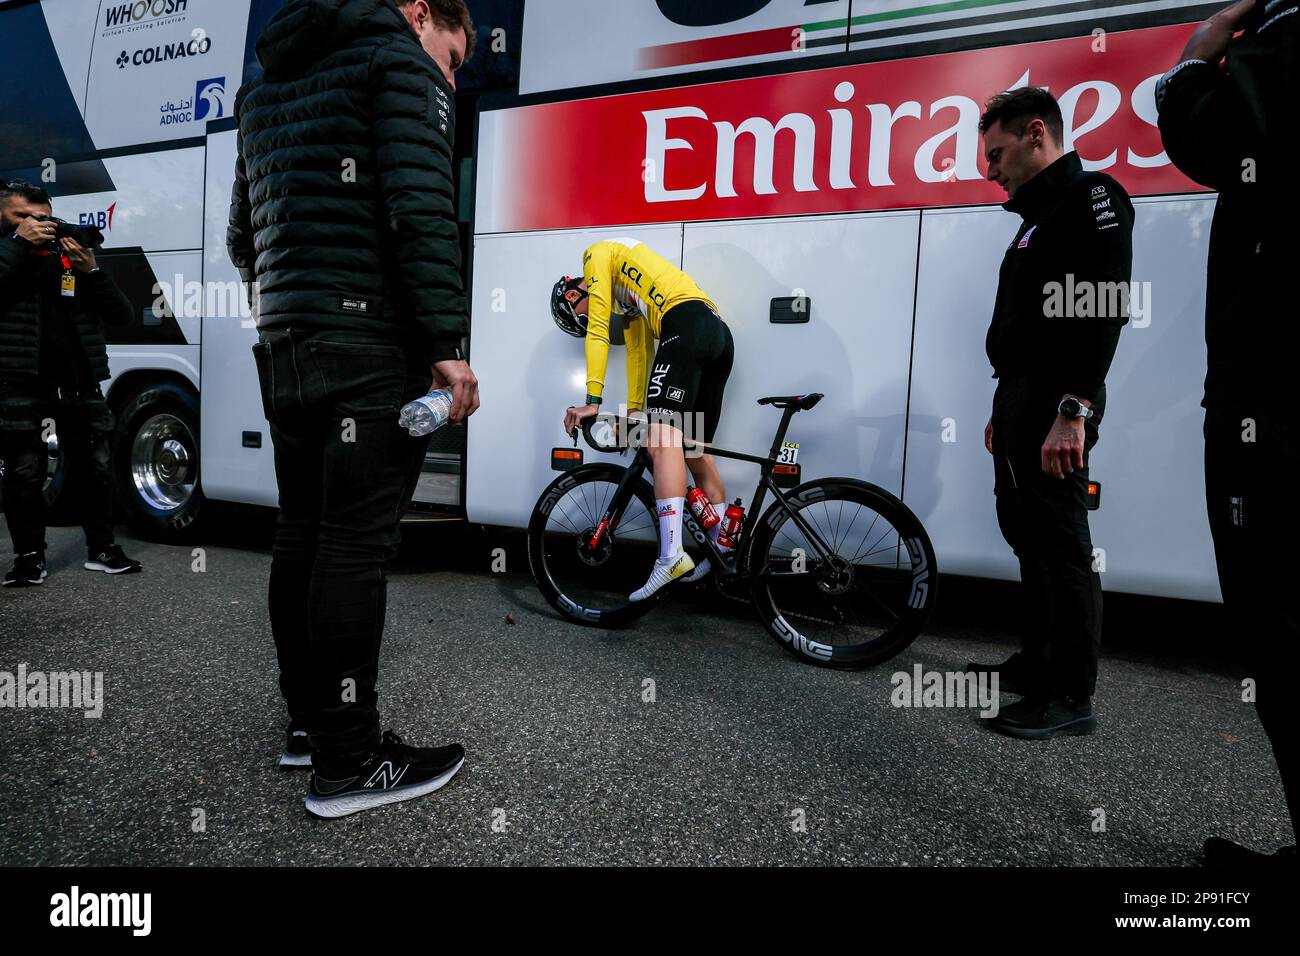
point(1073, 408)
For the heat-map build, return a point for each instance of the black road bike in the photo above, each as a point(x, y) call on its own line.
point(840, 571)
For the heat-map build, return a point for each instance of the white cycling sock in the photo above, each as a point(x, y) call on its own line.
point(670, 525)
point(719, 508)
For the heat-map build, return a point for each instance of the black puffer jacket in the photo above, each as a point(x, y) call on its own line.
point(1236, 132)
point(28, 285)
point(343, 208)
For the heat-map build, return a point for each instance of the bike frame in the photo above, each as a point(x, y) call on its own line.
point(733, 564)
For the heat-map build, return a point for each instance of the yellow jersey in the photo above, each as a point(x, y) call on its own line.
point(630, 277)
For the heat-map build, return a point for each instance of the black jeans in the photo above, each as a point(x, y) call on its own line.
point(1250, 464)
point(346, 472)
point(84, 426)
point(1045, 520)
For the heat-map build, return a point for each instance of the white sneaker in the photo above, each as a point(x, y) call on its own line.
point(700, 571)
point(666, 570)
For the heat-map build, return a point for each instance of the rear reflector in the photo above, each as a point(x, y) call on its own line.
point(786, 476)
point(565, 459)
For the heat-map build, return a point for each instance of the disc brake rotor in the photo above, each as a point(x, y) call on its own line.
point(594, 557)
point(835, 576)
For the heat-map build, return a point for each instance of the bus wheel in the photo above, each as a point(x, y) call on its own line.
point(156, 461)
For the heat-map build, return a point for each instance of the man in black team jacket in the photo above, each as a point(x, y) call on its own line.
point(54, 299)
point(1234, 130)
point(1062, 299)
point(343, 213)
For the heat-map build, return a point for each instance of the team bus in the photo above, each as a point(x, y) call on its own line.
point(815, 165)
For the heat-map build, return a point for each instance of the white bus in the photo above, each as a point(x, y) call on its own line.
point(818, 151)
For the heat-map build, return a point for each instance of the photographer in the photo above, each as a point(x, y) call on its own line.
point(1227, 119)
point(53, 299)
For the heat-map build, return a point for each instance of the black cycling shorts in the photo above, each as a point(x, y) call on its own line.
point(690, 369)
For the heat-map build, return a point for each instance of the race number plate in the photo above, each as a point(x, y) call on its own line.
point(789, 453)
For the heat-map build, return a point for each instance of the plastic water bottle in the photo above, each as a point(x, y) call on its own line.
point(427, 413)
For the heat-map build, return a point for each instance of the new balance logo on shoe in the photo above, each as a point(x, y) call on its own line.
point(384, 777)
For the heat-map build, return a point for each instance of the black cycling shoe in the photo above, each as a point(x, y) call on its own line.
point(297, 752)
point(1015, 675)
point(1226, 854)
point(111, 560)
point(28, 571)
point(1041, 717)
point(392, 774)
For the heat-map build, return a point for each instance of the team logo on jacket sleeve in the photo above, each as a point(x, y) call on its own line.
point(440, 111)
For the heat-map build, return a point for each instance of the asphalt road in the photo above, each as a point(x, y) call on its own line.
point(567, 764)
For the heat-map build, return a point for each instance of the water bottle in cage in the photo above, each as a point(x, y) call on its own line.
point(700, 507)
point(732, 521)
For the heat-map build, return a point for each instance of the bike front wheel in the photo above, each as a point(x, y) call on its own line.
point(588, 584)
point(855, 586)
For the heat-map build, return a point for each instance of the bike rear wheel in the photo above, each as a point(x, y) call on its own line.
point(591, 586)
point(864, 600)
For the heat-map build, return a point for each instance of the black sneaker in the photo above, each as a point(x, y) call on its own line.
point(111, 560)
point(1040, 717)
point(28, 570)
point(392, 774)
point(1015, 675)
point(1226, 854)
point(297, 752)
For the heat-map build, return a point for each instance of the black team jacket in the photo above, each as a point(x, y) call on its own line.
point(1062, 294)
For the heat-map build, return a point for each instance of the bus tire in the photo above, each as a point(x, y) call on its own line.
point(156, 461)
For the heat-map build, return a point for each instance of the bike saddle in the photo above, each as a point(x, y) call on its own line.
point(800, 402)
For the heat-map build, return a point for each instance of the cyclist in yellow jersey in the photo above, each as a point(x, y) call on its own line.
point(626, 281)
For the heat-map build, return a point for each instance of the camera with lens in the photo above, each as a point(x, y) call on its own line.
point(87, 236)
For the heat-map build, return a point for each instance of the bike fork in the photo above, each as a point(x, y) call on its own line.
point(617, 504)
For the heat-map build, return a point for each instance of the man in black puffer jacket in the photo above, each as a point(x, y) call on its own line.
point(54, 298)
point(1228, 121)
point(343, 215)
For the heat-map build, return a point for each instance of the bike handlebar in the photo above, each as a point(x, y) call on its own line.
point(613, 421)
point(586, 427)
point(629, 432)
